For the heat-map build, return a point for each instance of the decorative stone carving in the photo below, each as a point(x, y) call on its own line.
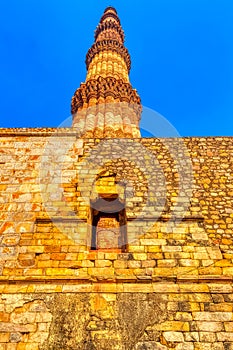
point(103, 87)
point(111, 45)
point(109, 26)
point(107, 83)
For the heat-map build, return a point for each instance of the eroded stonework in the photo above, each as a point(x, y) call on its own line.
point(175, 316)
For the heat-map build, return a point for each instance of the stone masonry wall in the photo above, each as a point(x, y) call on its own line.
point(106, 316)
point(172, 286)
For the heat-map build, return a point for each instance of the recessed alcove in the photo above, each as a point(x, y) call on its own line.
point(108, 229)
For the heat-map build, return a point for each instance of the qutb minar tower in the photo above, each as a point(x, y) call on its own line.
point(106, 105)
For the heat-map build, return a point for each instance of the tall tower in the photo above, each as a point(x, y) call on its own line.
point(106, 105)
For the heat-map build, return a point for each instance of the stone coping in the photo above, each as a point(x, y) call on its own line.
point(70, 131)
point(164, 218)
point(120, 279)
point(165, 287)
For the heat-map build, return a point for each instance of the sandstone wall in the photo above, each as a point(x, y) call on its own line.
point(123, 316)
point(171, 288)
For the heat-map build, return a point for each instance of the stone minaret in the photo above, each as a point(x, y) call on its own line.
point(106, 105)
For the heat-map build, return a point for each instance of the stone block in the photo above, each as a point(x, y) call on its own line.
point(184, 271)
point(209, 326)
point(201, 256)
point(185, 346)
point(220, 288)
point(153, 242)
point(177, 255)
point(171, 248)
point(88, 263)
point(120, 264)
point(13, 327)
point(200, 297)
point(4, 317)
point(124, 272)
point(154, 249)
point(200, 236)
point(173, 326)
point(150, 345)
point(214, 253)
point(225, 337)
point(217, 271)
point(137, 248)
point(173, 337)
point(4, 337)
point(148, 263)
point(134, 264)
point(140, 256)
point(189, 262)
point(33, 272)
point(35, 249)
point(203, 346)
point(110, 256)
point(191, 336)
point(227, 271)
point(228, 326)
point(207, 337)
point(193, 288)
point(45, 263)
point(103, 263)
point(59, 272)
point(167, 263)
point(212, 316)
point(155, 256)
point(163, 271)
point(137, 288)
point(183, 316)
point(101, 271)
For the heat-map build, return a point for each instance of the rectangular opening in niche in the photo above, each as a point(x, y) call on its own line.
point(108, 224)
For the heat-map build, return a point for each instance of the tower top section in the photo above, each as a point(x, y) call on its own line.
point(110, 13)
point(110, 27)
point(109, 35)
point(107, 83)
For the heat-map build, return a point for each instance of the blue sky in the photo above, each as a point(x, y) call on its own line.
point(181, 51)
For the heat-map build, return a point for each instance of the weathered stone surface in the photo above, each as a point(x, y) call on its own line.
point(83, 321)
point(71, 314)
point(150, 345)
point(137, 311)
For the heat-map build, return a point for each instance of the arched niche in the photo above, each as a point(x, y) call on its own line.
point(109, 221)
